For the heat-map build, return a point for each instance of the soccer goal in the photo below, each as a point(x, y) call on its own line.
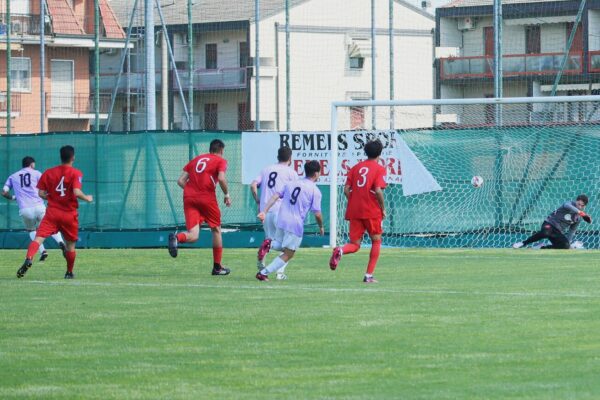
point(527, 155)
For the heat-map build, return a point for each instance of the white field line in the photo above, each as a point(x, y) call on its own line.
point(265, 286)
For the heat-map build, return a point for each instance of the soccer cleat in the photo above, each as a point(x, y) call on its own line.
point(64, 249)
point(221, 271)
point(173, 245)
point(518, 245)
point(262, 277)
point(69, 275)
point(369, 279)
point(336, 256)
point(23, 270)
point(265, 247)
point(281, 277)
point(44, 255)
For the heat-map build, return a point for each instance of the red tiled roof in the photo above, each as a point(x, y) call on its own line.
point(63, 18)
point(111, 26)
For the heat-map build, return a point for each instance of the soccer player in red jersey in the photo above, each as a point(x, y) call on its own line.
point(61, 186)
point(199, 182)
point(366, 208)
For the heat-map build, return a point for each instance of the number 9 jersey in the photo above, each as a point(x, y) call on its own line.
point(362, 181)
point(59, 183)
point(203, 174)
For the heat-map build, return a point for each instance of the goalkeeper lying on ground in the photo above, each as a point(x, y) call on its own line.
point(560, 226)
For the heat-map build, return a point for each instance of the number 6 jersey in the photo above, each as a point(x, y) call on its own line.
point(362, 180)
point(203, 174)
point(59, 183)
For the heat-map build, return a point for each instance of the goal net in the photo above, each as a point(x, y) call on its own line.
point(533, 154)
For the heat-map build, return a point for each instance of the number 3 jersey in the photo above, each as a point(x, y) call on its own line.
point(24, 184)
point(59, 183)
point(203, 174)
point(271, 180)
point(297, 199)
point(362, 180)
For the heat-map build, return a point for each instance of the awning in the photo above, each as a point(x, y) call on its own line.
point(540, 20)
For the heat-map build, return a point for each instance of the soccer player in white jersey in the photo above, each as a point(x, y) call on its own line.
point(297, 199)
point(271, 180)
point(31, 206)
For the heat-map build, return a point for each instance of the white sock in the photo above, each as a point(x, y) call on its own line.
point(275, 245)
point(282, 269)
point(275, 265)
point(58, 237)
point(32, 236)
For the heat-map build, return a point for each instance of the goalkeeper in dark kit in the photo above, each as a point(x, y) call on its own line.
point(560, 226)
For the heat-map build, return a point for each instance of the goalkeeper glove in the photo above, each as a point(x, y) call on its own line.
point(585, 217)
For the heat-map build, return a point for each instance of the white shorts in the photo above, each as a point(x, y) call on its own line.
point(270, 225)
point(288, 240)
point(32, 216)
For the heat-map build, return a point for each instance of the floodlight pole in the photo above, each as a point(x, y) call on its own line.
point(42, 65)
point(373, 64)
point(257, 63)
point(498, 72)
point(392, 69)
point(150, 66)
point(190, 65)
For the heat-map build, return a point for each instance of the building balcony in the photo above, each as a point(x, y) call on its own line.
point(24, 25)
point(513, 65)
point(594, 61)
point(213, 79)
point(75, 106)
point(15, 104)
point(134, 81)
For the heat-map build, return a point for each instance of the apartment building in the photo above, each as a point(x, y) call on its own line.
point(69, 44)
point(330, 59)
point(535, 37)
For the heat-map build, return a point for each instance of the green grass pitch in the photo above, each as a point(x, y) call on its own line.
point(441, 324)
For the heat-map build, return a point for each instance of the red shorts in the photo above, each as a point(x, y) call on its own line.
point(198, 211)
point(65, 222)
point(359, 226)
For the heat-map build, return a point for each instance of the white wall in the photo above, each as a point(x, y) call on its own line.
point(553, 38)
point(320, 71)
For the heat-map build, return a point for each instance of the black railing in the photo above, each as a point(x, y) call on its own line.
point(23, 24)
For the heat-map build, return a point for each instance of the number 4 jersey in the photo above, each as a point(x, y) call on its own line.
point(59, 183)
point(362, 180)
point(24, 184)
point(271, 181)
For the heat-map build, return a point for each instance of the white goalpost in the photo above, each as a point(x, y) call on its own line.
point(541, 152)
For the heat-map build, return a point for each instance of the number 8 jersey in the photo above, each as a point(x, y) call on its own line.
point(362, 180)
point(59, 183)
point(271, 180)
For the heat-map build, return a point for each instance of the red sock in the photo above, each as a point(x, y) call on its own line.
point(350, 248)
point(373, 257)
point(217, 254)
point(181, 237)
point(70, 255)
point(32, 249)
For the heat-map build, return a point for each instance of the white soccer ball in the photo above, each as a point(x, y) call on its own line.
point(477, 181)
point(577, 245)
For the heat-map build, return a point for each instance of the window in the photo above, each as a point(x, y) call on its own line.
point(357, 118)
point(244, 123)
point(20, 74)
point(211, 56)
point(244, 54)
point(357, 62)
point(210, 116)
point(532, 40)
